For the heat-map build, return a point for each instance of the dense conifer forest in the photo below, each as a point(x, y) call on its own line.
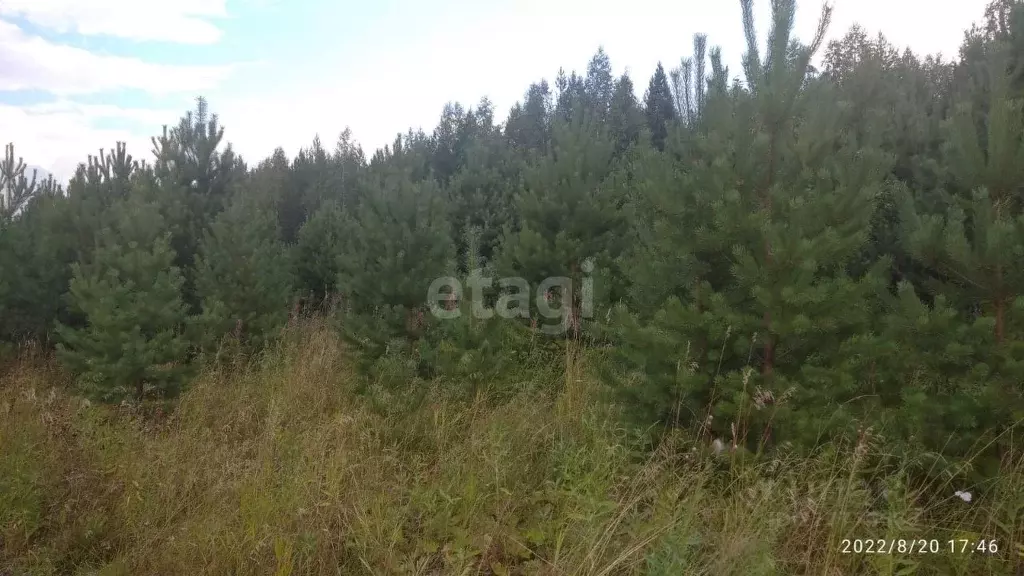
point(716, 329)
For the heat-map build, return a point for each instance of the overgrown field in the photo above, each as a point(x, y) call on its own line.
point(279, 466)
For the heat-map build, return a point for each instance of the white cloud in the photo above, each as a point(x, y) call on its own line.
point(149, 116)
point(32, 63)
point(181, 21)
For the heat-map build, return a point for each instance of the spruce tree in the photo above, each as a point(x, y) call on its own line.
point(449, 140)
point(658, 107)
point(528, 124)
point(625, 117)
point(129, 294)
point(599, 84)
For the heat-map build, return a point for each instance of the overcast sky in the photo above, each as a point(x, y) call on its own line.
point(76, 76)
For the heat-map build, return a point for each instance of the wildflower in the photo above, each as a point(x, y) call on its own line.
point(965, 496)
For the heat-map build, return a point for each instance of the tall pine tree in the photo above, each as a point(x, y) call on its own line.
point(130, 295)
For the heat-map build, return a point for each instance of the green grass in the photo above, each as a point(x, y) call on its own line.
point(280, 467)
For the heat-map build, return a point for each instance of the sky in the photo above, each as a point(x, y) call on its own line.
point(79, 76)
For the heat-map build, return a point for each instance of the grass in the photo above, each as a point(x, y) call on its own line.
point(279, 467)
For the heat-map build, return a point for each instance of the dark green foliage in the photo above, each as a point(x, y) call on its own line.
point(482, 193)
point(795, 254)
point(749, 244)
point(625, 118)
point(478, 351)
point(97, 184)
point(274, 178)
point(449, 141)
point(318, 176)
point(599, 85)
point(244, 275)
point(529, 123)
point(318, 179)
point(129, 295)
point(975, 250)
point(196, 178)
point(390, 249)
point(36, 254)
point(569, 215)
point(571, 101)
point(317, 252)
point(658, 107)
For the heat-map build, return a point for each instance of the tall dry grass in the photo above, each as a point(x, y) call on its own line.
point(276, 466)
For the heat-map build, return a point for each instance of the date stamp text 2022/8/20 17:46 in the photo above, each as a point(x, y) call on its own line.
point(918, 546)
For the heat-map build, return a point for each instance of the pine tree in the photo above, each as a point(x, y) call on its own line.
point(979, 254)
point(36, 253)
point(317, 251)
point(349, 164)
point(482, 193)
point(15, 188)
point(976, 253)
point(898, 103)
point(244, 274)
point(278, 182)
point(329, 185)
point(132, 343)
point(771, 206)
point(478, 351)
point(568, 217)
point(689, 83)
point(196, 179)
point(391, 248)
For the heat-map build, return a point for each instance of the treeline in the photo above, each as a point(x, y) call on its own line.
point(799, 254)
